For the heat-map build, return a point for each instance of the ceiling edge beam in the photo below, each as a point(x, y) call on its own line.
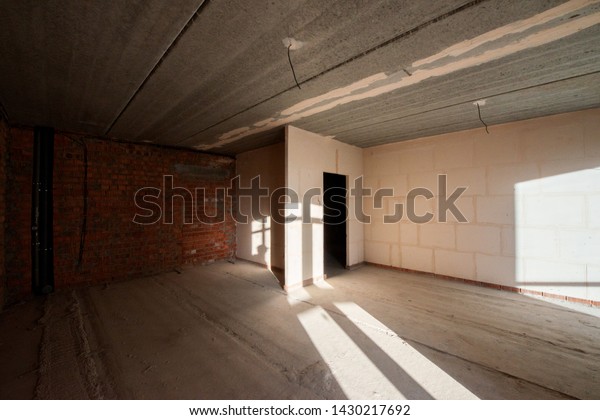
point(158, 63)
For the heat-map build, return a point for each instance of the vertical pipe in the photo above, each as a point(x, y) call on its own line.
point(42, 252)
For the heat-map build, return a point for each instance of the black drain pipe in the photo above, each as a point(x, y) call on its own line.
point(42, 252)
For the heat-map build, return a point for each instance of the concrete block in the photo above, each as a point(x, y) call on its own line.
point(593, 211)
point(409, 233)
point(356, 252)
point(369, 164)
point(593, 282)
point(582, 246)
point(367, 230)
point(501, 180)
point(399, 183)
point(387, 164)
point(466, 207)
point(553, 140)
point(416, 258)
point(421, 206)
point(534, 242)
point(395, 255)
point(351, 203)
point(496, 269)
point(416, 159)
point(455, 264)
point(355, 230)
point(389, 204)
point(385, 232)
point(496, 209)
point(427, 180)
point(562, 167)
point(476, 238)
point(472, 178)
point(453, 152)
point(508, 241)
point(376, 215)
point(367, 206)
point(586, 179)
point(437, 235)
point(542, 271)
point(591, 133)
point(552, 210)
point(369, 181)
point(350, 159)
point(378, 252)
point(497, 148)
point(293, 258)
point(555, 277)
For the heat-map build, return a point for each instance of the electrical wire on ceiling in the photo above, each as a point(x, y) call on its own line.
point(481, 119)
point(292, 66)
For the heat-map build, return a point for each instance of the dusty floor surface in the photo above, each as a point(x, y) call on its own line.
point(228, 331)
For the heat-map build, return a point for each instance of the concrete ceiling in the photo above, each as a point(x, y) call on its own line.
point(214, 75)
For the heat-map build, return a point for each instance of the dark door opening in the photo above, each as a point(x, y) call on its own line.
point(335, 214)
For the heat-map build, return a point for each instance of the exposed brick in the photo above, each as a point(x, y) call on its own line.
point(491, 285)
point(554, 296)
point(116, 248)
point(579, 300)
point(471, 282)
point(532, 292)
point(4, 135)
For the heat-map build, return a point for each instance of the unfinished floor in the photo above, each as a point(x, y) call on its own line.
point(228, 331)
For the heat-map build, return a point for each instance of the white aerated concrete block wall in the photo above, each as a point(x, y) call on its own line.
point(308, 156)
point(261, 241)
point(532, 204)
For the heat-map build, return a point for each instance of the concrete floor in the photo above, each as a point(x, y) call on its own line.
point(228, 331)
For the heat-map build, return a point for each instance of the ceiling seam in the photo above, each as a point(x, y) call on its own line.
point(472, 100)
point(347, 61)
point(159, 62)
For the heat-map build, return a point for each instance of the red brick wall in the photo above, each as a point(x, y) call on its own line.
point(115, 247)
point(3, 175)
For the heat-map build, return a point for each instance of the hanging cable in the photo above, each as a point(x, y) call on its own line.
point(480, 119)
point(3, 113)
point(83, 231)
point(292, 66)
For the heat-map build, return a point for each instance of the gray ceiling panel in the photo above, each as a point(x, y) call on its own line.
point(74, 64)
point(193, 73)
point(233, 58)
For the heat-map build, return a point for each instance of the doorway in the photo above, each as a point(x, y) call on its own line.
point(335, 214)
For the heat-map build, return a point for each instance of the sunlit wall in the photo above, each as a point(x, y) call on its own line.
point(308, 155)
point(558, 233)
point(531, 205)
point(261, 240)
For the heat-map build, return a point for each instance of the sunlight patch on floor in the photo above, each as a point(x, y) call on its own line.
point(355, 373)
point(437, 383)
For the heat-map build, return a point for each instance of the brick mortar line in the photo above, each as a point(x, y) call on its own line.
point(518, 290)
